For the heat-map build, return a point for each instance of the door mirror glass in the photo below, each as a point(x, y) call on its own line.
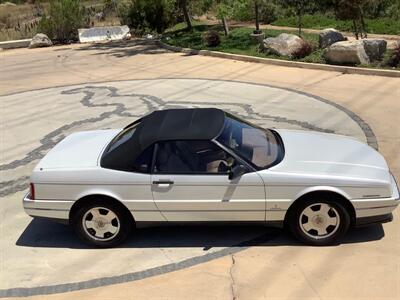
point(237, 171)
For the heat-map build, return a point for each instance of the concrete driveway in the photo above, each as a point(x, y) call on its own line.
point(49, 93)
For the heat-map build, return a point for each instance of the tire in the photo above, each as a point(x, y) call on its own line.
point(102, 223)
point(319, 221)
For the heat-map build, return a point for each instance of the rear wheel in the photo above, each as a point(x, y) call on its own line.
point(319, 222)
point(102, 223)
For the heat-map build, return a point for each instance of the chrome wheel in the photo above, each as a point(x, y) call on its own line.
point(319, 220)
point(101, 224)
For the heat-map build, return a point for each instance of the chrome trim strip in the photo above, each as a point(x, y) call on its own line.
point(375, 207)
point(53, 209)
point(210, 210)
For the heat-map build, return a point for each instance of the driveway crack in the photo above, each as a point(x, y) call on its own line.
point(233, 283)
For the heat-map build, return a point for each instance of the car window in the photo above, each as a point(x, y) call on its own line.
point(256, 145)
point(121, 138)
point(143, 163)
point(192, 157)
point(126, 161)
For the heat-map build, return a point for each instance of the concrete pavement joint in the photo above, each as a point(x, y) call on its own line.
point(233, 284)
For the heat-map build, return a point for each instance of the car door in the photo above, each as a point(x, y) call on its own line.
point(190, 182)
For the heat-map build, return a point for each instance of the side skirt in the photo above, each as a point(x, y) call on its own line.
point(374, 220)
point(145, 224)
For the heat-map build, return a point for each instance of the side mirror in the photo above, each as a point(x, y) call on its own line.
point(236, 172)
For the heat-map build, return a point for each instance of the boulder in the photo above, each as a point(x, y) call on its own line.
point(330, 36)
point(346, 52)
point(40, 40)
point(283, 45)
point(375, 49)
point(103, 34)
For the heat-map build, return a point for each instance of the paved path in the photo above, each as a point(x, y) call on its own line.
point(214, 263)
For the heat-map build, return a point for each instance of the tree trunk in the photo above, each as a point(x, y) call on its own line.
point(186, 14)
point(257, 17)
point(355, 29)
point(225, 25)
point(363, 29)
point(299, 15)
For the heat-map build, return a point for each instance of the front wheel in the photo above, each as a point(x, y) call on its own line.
point(319, 222)
point(101, 224)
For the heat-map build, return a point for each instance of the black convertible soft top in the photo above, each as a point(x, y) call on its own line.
point(163, 125)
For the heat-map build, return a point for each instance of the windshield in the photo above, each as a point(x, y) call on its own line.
point(259, 146)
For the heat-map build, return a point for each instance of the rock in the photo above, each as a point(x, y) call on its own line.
point(128, 36)
point(346, 52)
point(375, 49)
point(40, 40)
point(330, 36)
point(103, 34)
point(283, 45)
point(8, 4)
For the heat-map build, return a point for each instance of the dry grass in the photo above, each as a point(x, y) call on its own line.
point(20, 21)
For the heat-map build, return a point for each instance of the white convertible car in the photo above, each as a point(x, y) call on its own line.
point(206, 165)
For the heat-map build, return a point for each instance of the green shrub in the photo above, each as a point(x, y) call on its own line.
point(321, 21)
point(151, 15)
point(394, 60)
point(63, 20)
point(211, 38)
point(243, 10)
point(269, 11)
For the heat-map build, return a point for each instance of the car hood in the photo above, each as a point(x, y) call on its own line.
point(310, 152)
point(78, 150)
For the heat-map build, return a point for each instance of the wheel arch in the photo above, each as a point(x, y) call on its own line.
point(333, 193)
point(93, 197)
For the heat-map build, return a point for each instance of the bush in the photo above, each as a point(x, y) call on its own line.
point(243, 10)
point(305, 50)
point(394, 60)
point(269, 11)
point(211, 38)
point(63, 21)
point(144, 14)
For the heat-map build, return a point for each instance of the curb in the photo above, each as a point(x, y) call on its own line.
point(284, 63)
point(15, 44)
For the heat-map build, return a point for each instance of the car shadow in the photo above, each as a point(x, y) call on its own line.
point(44, 233)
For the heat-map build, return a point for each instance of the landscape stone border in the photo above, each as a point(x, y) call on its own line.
point(283, 63)
point(15, 44)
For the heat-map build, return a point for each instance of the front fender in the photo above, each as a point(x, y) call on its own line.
point(322, 189)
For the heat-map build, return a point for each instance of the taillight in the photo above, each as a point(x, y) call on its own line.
point(31, 191)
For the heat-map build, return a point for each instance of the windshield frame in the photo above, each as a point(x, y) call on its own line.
point(281, 147)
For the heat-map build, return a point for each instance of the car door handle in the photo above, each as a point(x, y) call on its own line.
point(163, 182)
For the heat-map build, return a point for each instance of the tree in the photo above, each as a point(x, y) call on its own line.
point(224, 11)
point(184, 6)
point(299, 6)
point(257, 16)
point(352, 10)
point(64, 19)
point(149, 14)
